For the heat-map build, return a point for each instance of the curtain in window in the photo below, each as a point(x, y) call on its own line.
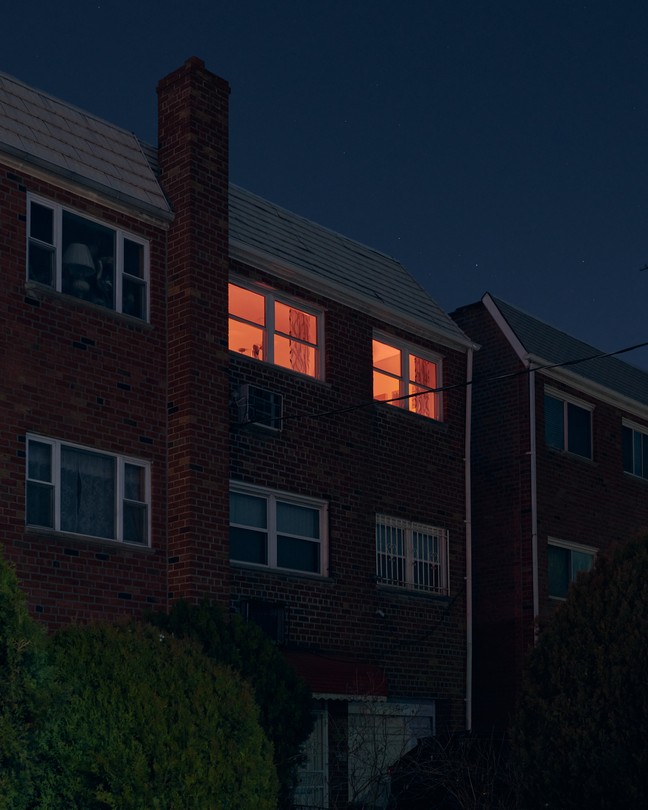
point(299, 353)
point(425, 377)
point(87, 493)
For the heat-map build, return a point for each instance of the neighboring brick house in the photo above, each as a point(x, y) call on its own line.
point(560, 473)
point(159, 444)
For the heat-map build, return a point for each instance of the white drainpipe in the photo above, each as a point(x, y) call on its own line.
point(469, 599)
point(534, 497)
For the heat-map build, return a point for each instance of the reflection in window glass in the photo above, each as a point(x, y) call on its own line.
point(86, 259)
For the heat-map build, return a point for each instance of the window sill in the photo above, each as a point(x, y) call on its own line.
point(283, 572)
point(639, 478)
point(42, 292)
point(250, 361)
point(385, 407)
point(69, 537)
point(403, 590)
point(567, 454)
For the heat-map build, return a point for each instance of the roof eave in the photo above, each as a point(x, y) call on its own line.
point(316, 284)
point(587, 386)
point(51, 172)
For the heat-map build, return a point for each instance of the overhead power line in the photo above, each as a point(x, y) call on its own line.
point(463, 384)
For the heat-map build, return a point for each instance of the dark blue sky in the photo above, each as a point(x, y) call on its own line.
point(496, 146)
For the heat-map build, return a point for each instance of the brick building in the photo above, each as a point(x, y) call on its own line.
point(191, 382)
point(560, 469)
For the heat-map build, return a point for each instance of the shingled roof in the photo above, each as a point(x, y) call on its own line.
point(44, 132)
point(547, 345)
point(341, 264)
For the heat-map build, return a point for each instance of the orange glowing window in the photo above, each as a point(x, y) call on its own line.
point(265, 328)
point(405, 379)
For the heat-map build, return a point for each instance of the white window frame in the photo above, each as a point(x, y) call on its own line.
point(643, 432)
point(569, 546)
point(386, 561)
point(120, 235)
point(567, 400)
point(272, 296)
point(408, 350)
point(272, 498)
point(55, 484)
point(313, 780)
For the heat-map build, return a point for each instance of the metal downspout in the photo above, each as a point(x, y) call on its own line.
point(468, 523)
point(534, 495)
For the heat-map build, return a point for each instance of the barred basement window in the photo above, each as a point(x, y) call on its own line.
point(411, 555)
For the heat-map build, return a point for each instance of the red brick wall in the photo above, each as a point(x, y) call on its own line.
point(501, 517)
point(373, 459)
point(588, 502)
point(82, 374)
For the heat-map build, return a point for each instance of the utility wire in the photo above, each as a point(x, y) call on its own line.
point(462, 384)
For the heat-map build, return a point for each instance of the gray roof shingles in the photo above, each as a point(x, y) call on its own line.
point(54, 135)
point(553, 346)
point(43, 131)
point(297, 242)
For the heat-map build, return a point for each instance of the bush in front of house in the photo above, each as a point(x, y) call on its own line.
point(581, 733)
point(143, 720)
point(285, 701)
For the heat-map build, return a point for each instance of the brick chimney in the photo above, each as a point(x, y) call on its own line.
point(193, 106)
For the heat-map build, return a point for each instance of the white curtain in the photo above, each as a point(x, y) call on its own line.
point(87, 493)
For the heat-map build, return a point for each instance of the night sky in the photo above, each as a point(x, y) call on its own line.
point(489, 146)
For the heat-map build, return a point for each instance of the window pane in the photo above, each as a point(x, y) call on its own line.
point(135, 522)
point(246, 339)
point(87, 493)
point(627, 443)
point(423, 404)
point(41, 225)
point(247, 545)
point(390, 554)
point(134, 482)
point(579, 430)
point(295, 355)
point(246, 304)
point(386, 388)
point(387, 358)
point(41, 263)
point(297, 520)
point(296, 323)
point(423, 372)
point(554, 422)
point(580, 561)
point(88, 259)
point(40, 505)
point(133, 258)
point(559, 571)
point(133, 298)
point(644, 456)
point(299, 555)
point(40, 461)
point(248, 510)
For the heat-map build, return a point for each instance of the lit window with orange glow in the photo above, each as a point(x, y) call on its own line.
point(273, 329)
point(406, 379)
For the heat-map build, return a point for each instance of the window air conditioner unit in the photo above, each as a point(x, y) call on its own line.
point(260, 408)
